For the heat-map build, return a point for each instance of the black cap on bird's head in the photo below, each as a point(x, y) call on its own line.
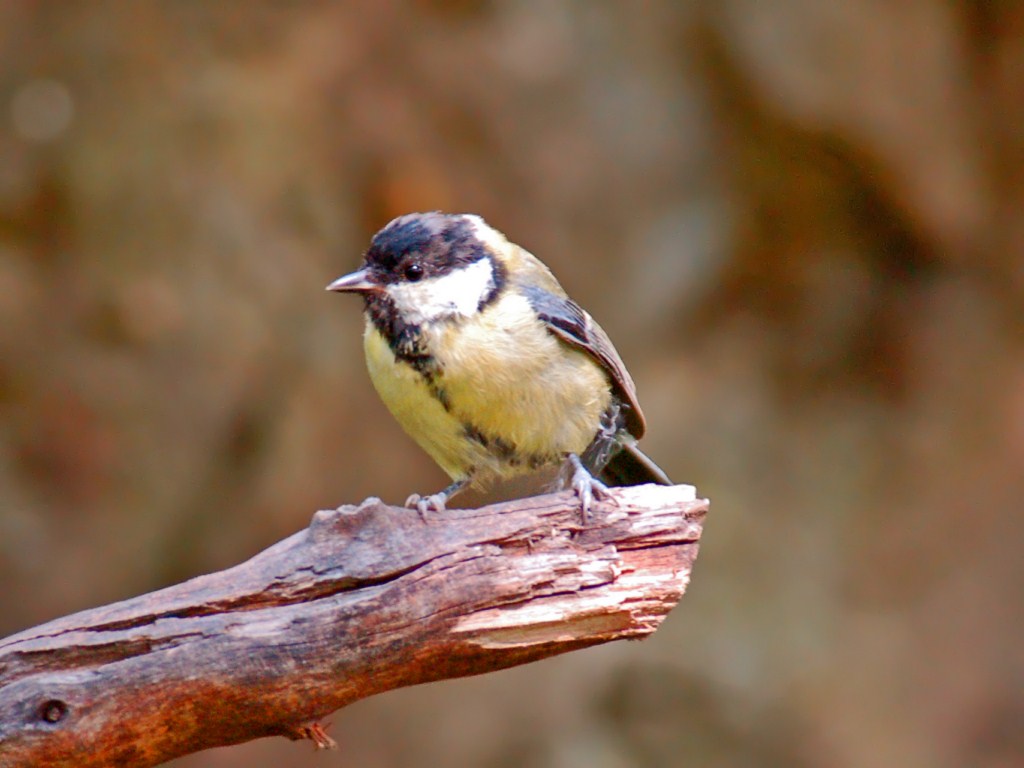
point(414, 247)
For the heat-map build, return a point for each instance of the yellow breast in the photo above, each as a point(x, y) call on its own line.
point(503, 376)
point(417, 409)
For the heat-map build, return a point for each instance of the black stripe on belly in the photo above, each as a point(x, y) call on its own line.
point(406, 343)
point(506, 451)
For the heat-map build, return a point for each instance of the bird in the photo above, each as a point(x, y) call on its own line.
point(485, 361)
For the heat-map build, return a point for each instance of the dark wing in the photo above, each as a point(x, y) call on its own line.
point(570, 323)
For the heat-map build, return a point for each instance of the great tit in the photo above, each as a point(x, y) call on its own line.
point(486, 362)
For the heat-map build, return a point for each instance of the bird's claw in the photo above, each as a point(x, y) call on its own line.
point(435, 502)
point(586, 486)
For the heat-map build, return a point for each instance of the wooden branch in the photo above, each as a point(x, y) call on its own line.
point(366, 599)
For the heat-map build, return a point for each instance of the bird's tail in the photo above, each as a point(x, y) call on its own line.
point(631, 466)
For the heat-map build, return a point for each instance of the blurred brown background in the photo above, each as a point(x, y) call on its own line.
point(801, 222)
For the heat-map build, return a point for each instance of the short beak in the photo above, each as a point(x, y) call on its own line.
point(356, 282)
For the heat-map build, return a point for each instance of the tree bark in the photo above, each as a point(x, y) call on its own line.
point(368, 598)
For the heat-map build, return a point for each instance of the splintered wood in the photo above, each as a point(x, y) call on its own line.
point(367, 599)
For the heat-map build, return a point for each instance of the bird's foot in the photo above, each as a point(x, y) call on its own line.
point(423, 504)
point(584, 485)
point(435, 502)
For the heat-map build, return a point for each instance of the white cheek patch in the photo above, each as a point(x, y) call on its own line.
point(457, 293)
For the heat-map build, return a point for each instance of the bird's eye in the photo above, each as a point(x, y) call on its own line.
point(413, 272)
